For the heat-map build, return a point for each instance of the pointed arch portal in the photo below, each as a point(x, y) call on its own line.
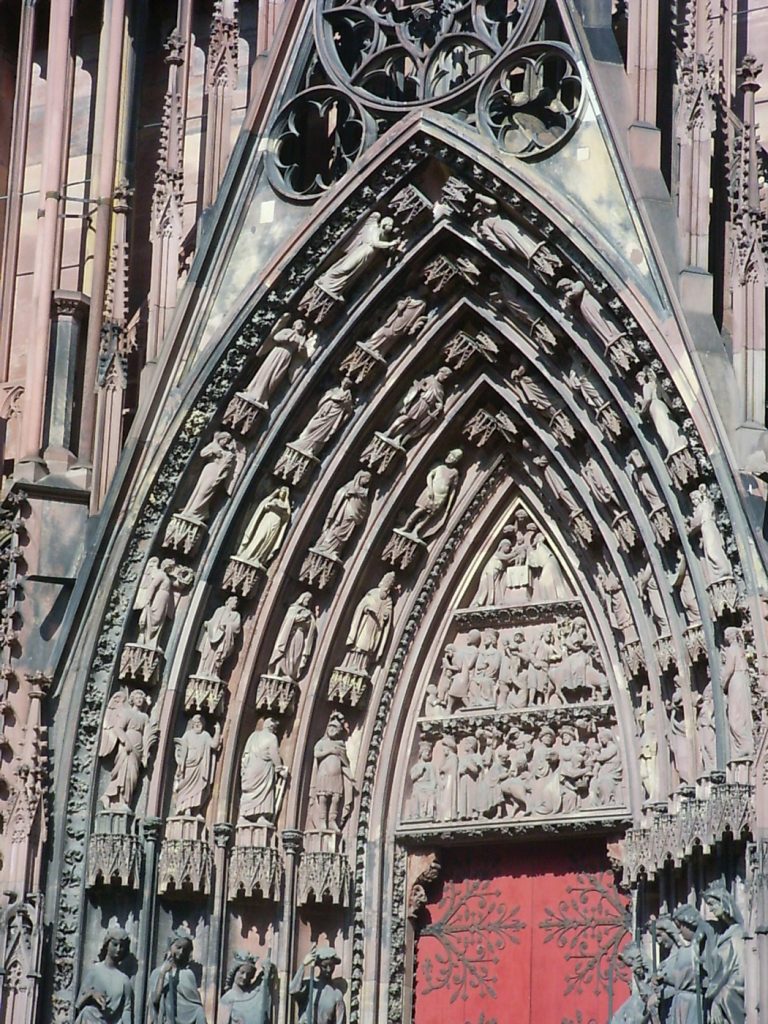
point(427, 553)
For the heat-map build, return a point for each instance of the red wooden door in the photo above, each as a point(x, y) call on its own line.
point(522, 935)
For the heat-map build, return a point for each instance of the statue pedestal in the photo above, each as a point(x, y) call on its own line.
point(682, 467)
point(403, 548)
point(632, 658)
point(241, 577)
point(621, 353)
point(255, 865)
point(185, 862)
point(203, 694)
point(381, 452)
point(294, 465)
point(317, 305)
point(323, 873)
point(275, 693)
point(361, 362)
point(724, 595)
point(625, 531)
point(183, 534)
point(348, 686)
point(694, 642)
point(319, 569)
point(114, 855)
point(242, 414)
point(665, 651)
point(139, 663)
point(662, 524)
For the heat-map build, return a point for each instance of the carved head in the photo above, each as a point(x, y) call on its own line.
point(721, 903)
point(386, 225)
point(491, 637)
point(326, 959)
point(167, 565)
point(300, 326)
point(232, 602)
point(304, 599)
point(443, 373)
point(687, 919)
point(137, 699)
point(547, 736)
point(425, 750)
point(115, 945)
point(454, 455)
point(180, 949)
point(474, 637)
point(387, 582)
point(337, 725)
point(270, 724)
point(666, 932)
point(196, 723)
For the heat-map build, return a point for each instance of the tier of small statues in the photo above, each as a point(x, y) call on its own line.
point(525, 770)
point(547, 665)
point(106, 992)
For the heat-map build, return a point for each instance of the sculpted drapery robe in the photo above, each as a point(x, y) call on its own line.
point(180, 1001)
point(114, 986)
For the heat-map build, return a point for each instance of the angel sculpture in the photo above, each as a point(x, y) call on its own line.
point(156, 600)
point(266, 530)
point(225, 459)
point(654, 404)
point(130, 734)
point(375, 235)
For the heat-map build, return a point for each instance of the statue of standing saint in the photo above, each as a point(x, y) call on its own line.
point(334, 407)
point(289, 342)
point(374, 236)
point(369, 632)
point(195, 763)
point(333, 784)
point(266, 530)
point(128, 733)
point(220, 634)
point(348, 510)
point(248, 995)
point(261, 767)
point(295, 640)
point(223, 458)
point(174, 997)
point(422, 407)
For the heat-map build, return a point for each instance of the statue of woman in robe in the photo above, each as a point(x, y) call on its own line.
point(155, 600)
point(676, 977)
point(653, 403)
point(219, 637)
point(375, 235)
point(334, 407)
point(407, 318)
point(106, 994)
point(715, 562)
point(348, 510)
point(260, 767)
point(295, 640)
point(736, 685)
point(221, 465)
point(288, 342)
point(195, 762)
point(248, 995)
point(266, 530)
point(724, 958)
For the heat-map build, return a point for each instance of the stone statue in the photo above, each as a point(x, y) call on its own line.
point(349, 509)
point(463, 658)
point(421, 408)
point(219, 637)
point(266, 530)
point(248, 995)
point(649, 751)
point(724, 958)
point(106, 994)
point(506, 236)
point(493, 579)
point(333, 784)
point(433, 505)
point(681, 579)
point(549, 583)
point(318, 999)
point(173, 994)
point(557, 485)
point(653, 404)
point(606, 760)
point(224, 458)
point(639, 1007)
point(261, 770)
point(738, 695)
point(406, 319)
point(705, 732)
point(287, 343)
point(619, 613)
point(195, 763)
point(423, 784)
point(647, 585)
point(598, 482)
point(155, 599)
point(333, 409)
point(576, 299)
point(371, 622)
point(295, 640)
point(679, 743)
point(127, 732)
point(375, 236)
point(715, 561)
point(677, 976)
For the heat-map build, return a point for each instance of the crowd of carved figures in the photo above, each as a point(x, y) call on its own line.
point(514, 760)
point(697, 972)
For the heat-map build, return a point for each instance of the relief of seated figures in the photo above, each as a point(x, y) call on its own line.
point(512, 771)
point(538, 665)
point(523, 569)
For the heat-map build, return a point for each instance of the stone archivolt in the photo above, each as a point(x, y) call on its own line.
point(576, 577)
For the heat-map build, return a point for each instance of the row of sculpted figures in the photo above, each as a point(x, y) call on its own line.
point(106, 991)
point(699, 978)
